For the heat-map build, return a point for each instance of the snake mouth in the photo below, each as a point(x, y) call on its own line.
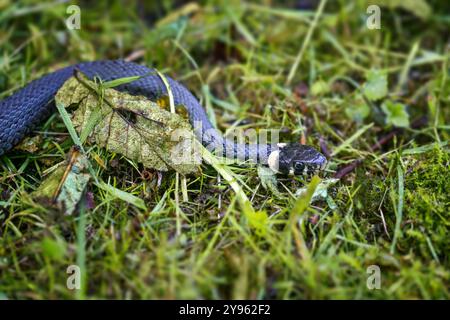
point(307, 169)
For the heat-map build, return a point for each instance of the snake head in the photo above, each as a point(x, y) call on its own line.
point(296, 159)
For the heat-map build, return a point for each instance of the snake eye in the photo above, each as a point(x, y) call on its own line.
point(299, 167)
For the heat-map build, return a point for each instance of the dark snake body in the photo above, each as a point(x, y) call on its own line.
point(28, 107)
point(23, 111)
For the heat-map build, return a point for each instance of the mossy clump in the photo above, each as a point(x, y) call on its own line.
point(427, 204)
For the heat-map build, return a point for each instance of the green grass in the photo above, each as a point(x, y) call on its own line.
point(246, 61)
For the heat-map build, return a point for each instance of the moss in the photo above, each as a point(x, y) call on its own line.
point(427, 202)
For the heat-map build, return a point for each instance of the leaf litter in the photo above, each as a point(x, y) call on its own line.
point(130, 125)
point(133, 126)
point(64, 187)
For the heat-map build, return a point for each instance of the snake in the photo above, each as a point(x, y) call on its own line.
point(28, 107)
